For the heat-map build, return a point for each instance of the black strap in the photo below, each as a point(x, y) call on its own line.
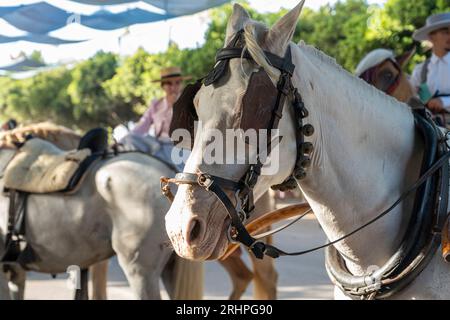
point(11, 216)
point(280, 63)
point(222, 65)
point(14, 251)
point(242, 234)
point(206, 180)
point(424, 71)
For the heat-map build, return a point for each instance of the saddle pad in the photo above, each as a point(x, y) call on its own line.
point(40, 167)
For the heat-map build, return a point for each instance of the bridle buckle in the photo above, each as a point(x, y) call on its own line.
point(232, 234)
point(239, 209)
point(205, 181)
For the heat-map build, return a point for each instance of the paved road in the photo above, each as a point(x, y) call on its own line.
point(299, 277)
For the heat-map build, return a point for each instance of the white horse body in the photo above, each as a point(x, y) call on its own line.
point(117, 209)
point(366, 153)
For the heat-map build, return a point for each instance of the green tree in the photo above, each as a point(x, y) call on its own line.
point(393, 25)
point(39, 98)
point(37, 56)
point(92, 107)
point(107, 89)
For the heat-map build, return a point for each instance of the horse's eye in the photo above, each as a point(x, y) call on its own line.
point(387, 75)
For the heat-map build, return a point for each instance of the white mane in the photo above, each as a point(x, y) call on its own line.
point(255, 32)
point(368, 91)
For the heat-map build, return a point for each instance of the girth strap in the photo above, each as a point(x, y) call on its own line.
point(17, 250)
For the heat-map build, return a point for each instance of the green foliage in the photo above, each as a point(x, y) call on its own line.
point(107, 89)
point(131, 82)
point(39, 98)
point(91, 104)
point(37, 56)
point(392, 26)
point(337, 30)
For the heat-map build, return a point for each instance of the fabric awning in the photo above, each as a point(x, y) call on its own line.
point(174, 7)
point(23, 65)
point(42, 18)
point(38, 19)
point(38, 38)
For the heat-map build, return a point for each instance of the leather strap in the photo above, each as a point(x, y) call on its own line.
point(206, 180)
point(424, 71)
point(281, 64)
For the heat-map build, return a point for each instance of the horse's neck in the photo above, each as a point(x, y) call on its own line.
point(405, 90)
point(365, 155)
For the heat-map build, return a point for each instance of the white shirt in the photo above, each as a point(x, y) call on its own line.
point(438, 77)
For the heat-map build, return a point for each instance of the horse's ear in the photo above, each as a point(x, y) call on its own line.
point(236, 21)
point(404, 58)
point(281, 33)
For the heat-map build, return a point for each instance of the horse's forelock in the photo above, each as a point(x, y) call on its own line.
point(255, 34)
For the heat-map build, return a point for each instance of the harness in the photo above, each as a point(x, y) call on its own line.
point(424, 231)
point(430, 207)
point(243, 189)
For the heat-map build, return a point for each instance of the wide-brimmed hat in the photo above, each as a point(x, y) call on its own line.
point(172, 73)
point(372, 59)
point(434, 22)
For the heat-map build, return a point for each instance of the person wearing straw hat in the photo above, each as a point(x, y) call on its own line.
point(159, 114)
point(432, 77)
point(151, 133)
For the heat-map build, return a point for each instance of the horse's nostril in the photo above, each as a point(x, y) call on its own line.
point(195, 231)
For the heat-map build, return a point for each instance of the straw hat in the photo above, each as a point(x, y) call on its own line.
point(434, 22)
point(171, 73)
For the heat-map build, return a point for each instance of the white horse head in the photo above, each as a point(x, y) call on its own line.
point(196, 222)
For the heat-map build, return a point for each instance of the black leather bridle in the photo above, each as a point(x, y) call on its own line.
point(243, 189)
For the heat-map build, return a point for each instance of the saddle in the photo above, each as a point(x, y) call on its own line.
point(40, 167)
